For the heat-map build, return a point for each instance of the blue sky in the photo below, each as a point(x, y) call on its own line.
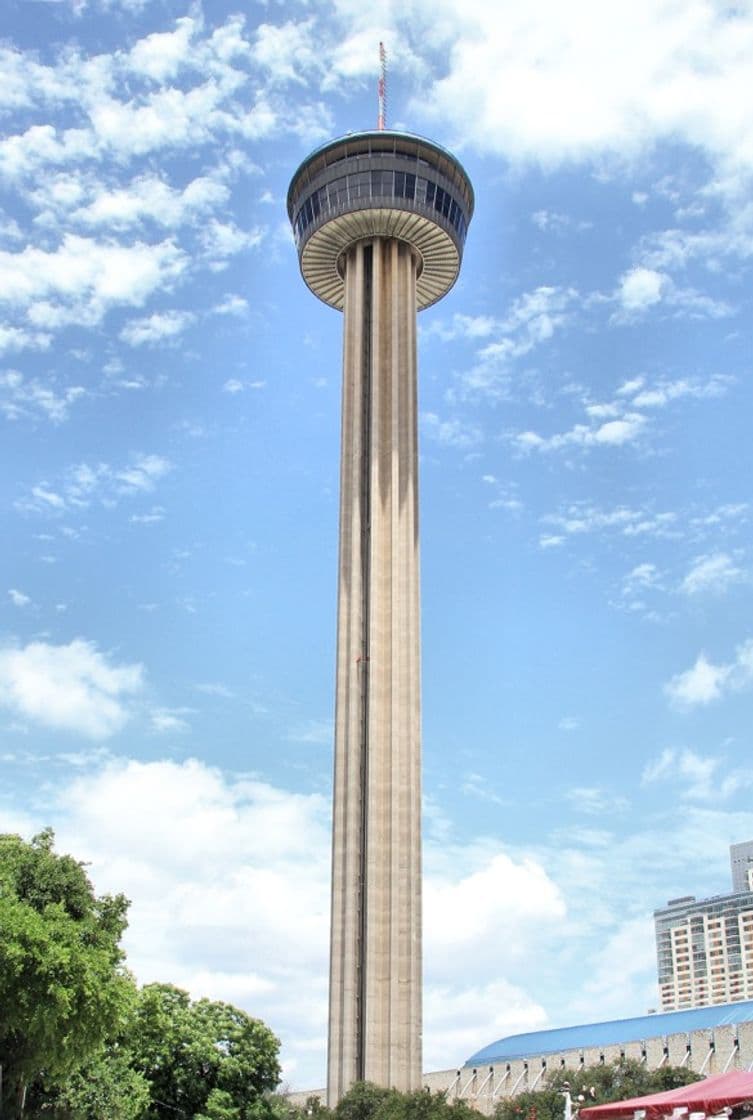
point(169, 415)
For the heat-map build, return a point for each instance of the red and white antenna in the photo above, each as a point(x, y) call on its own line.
point(382, 89)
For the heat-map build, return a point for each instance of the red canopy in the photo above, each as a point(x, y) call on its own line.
point(710, 1096)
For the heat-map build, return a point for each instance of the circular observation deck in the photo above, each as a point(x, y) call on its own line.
point(380, 184)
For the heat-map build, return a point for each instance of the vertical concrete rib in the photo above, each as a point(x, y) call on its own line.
point(375, 982)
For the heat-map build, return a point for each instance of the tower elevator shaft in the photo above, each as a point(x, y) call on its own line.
point(375, 971)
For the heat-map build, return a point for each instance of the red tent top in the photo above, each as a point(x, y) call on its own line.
point(710, 1096)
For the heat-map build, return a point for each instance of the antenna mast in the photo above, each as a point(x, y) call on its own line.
point(382, 89)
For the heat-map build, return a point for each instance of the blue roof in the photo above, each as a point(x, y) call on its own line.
point(536, 1043)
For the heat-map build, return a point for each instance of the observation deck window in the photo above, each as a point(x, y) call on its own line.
point(405, 184)
point(381, 184)
point(357, 187)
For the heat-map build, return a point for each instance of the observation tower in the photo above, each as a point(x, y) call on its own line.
point(380, 220)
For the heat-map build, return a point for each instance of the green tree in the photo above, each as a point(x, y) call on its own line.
point(366, 1101)
point(203, 1060)
point(105, 1088)
point(620, 1080)
point(424, 1105)
point(545, 1104)
point(362, 1101)
point(63, 985)
point(613, 1081)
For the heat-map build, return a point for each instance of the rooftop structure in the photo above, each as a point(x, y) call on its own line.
point(614, 1032)
point(741, 865)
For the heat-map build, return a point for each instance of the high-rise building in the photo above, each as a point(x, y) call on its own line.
point(705, 946)
point(380, 220)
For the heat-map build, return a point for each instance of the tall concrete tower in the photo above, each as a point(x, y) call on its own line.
point(380, 220)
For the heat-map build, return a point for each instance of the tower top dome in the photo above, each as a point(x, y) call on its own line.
point(380, 184)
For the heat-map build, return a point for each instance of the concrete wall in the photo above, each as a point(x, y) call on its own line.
point(705, 1051)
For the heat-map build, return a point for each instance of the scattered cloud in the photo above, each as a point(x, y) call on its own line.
point(156, 328)
point(549, 86)
point(704, 778)
point(713, 574)
point(30, 397)
point(69, 687)
point(531, 321)
point(595, 801)
point(451, 432)
point(87, 483)
point(80, 280)
point(232, 305)
point(170, 720)
point(18, 598)
point(706, 682)
point(584, 518)
point(569, 723)
point(640, 288)
point(475, 785)
point(611, 433)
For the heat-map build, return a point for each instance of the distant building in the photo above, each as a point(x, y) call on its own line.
point(706, 1040)
point(741, 864)
point(704, 946)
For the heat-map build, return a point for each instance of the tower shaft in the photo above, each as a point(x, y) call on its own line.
point(375, 977)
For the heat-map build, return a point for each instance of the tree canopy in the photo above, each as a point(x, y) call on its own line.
point(612, 1081)
point(205, 1060)
point(63, 985)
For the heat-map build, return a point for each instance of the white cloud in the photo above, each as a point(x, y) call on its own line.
point(715, 574)
point(143, 473)
point(612, 433)
point(161, 55)
point(288, 53)
point(531, 320)
point(17, 338)
point(153, 517)
point(85, 483)
point(452, 432)
point(706, 682)
point(157, 327)
point(70, 687)
point(170, 720)
point(569, 723)
point(86, 277)
point(699, 685)
point(149, 197)
point(641, 578)
point(700, 776)
point(640, 288)
point(623, 420)
point(593, 800)
point(463, 1020)
point(21, 397)
point(480, 907)
point(18, 598)
point(232, 305)
point(664, 391)
point(555, 83)
point(584, 517)
point(224, 239)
